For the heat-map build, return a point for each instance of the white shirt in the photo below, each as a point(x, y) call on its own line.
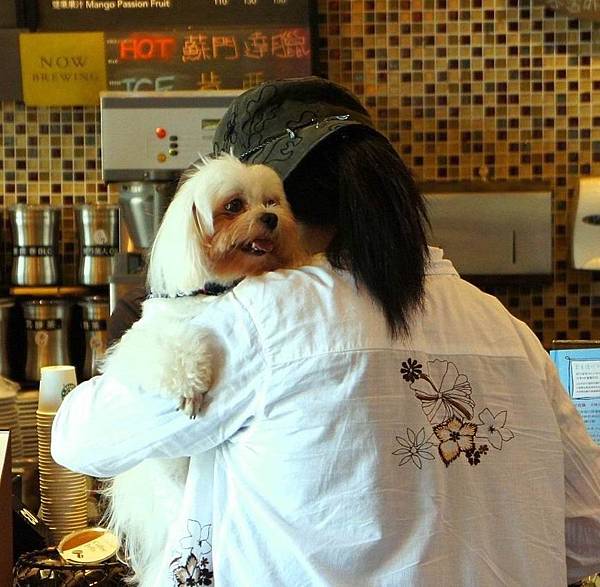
point(343, 458)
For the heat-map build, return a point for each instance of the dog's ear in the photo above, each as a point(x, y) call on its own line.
point(177, 264)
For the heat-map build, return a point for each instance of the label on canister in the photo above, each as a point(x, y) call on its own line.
point(94, 325)
point(43, 324)
point(34, 251)
point(99, 250)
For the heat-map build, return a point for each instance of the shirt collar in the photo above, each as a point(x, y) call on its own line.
point(437, 265)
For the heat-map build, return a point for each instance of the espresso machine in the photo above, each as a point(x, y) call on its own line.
point(148, 139)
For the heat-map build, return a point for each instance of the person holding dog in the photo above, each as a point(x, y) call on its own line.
point(375, 419)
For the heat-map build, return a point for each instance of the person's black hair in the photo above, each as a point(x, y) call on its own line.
point(355, 182)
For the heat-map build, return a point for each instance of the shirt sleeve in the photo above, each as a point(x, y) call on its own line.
point(104, 427)
point(582, 484)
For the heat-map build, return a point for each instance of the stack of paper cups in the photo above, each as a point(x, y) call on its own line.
point(9, 417)
point(27, 403)
point(63, 494)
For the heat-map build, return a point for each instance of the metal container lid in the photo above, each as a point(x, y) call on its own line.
point(102, 208)
point(94, 303)
point(7, 302)
point(47, 302)
point(41, 207)
point(94, 299)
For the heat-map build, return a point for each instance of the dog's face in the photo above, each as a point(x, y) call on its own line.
point(247, 225)
point(228, 220)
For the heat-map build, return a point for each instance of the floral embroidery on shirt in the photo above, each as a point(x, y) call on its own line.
point(474, 454)
point(445, 396)
point(444, 392)
point(194, 565)
point(414, 448)
point(492, 428)
point(193, 572)
point(455, 437)
point(411, 370)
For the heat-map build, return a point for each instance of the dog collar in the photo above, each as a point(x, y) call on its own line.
point(215, 289)
point(210, 289)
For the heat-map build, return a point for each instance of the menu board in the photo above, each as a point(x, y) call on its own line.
point(80, 15)
point(579, 371)
point(206, 58)
point(161, 45)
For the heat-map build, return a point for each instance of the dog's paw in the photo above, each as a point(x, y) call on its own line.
point(196, 370)
point(192, 406)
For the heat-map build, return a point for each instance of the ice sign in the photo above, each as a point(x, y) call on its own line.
point(585, 378)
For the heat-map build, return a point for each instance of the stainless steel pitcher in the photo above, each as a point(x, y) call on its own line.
point(98, 228)
point(94, 316)
point(6, 305)
point(142, 206)
point(35, 244)
point(47, 322)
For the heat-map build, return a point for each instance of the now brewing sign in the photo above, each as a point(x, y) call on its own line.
point(62, 69)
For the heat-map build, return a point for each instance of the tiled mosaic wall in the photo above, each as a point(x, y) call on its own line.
point(50, 156)
point(459, 86)
point(504, 86)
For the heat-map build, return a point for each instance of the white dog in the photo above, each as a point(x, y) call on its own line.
point(227, 221)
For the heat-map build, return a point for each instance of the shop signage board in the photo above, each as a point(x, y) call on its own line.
point(62, 69)
point(206, 58)
point(162, 45)
point(78, 15)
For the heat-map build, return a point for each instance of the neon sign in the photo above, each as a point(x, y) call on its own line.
point(147, 48)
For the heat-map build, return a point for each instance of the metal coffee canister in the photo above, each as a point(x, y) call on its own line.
point(6, 304)
point(35, 243)
point(47, 324)
point(98, 228)
point(94, 316)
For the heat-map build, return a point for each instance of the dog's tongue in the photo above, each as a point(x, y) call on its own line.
point(263, 244)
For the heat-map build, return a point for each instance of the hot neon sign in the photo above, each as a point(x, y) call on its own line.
point(147, 48)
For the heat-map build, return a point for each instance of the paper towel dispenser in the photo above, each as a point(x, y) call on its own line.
point(585, 225)
point(492, 228)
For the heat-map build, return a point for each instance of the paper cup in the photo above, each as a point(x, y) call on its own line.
point(88, 546)
point(55, 382)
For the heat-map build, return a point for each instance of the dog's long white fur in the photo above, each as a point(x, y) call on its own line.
point(163, 354)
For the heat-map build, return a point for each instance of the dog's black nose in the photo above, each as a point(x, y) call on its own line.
point(269, 220)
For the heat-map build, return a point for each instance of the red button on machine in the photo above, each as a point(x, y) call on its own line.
point(161, 133)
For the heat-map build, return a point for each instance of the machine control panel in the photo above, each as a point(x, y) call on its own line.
point(154, 136)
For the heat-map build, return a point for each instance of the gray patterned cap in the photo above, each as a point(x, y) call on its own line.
point(278, 122)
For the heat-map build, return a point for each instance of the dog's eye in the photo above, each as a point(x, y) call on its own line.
point(234, 206)
point(271, 202)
